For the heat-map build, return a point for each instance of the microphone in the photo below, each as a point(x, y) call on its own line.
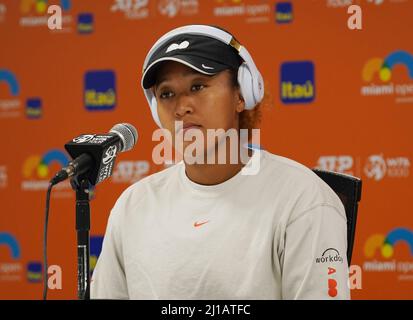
point(94, 155)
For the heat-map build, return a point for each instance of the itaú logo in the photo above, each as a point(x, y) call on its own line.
point(297, 82)
point(100, 90)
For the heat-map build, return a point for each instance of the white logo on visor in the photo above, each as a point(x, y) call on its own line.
point(175, 46)
point(206, 67)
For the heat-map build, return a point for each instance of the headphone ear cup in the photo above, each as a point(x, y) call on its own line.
point(150, 97)
point(154, 109)
point(259, 88)
point(245, 82)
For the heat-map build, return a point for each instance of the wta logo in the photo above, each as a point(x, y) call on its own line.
point(385, 244)
point(38, 169)
point(384, 70)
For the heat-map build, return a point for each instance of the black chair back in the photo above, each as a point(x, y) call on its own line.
point(348, 188)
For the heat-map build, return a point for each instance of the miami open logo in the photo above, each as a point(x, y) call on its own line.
point(10, 270)
point(381, 251)
point(253, 12)
point(9, 101)
point(384, 76)
point(36, 13)
point(38, 170)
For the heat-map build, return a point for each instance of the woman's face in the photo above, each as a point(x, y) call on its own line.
point(209, 102)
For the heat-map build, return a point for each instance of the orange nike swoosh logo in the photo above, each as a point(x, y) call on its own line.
point(196, 224)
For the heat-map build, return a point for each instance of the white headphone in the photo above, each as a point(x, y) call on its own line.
point(249, 78)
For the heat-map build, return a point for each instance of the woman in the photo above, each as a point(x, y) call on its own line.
point(201, 230)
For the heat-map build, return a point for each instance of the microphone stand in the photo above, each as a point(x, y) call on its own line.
point(81, 186)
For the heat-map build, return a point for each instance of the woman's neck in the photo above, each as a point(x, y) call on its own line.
point(211, 174)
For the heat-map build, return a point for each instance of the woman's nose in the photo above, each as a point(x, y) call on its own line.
point(184, 106)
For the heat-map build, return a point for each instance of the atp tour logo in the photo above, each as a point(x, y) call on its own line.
point(297, 82)
point(34, 13)
point(132, 9)
point(340, 163)
point(100, 90)
point(283, 12)
point(10, 271)
point(379, 73)
point(130, 171)
point(381, 251)
point(38, 170)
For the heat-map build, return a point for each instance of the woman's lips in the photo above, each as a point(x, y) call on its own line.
point(188, 126)
point(192, 126)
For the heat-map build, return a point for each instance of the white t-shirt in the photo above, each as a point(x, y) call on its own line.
point(279, 234)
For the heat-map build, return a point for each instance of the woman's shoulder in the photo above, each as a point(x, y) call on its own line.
point(297, 180)
point(288, 167)
point(135, 192)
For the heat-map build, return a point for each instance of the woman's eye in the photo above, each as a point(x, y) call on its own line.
point(197, 87)
point(166, 94)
